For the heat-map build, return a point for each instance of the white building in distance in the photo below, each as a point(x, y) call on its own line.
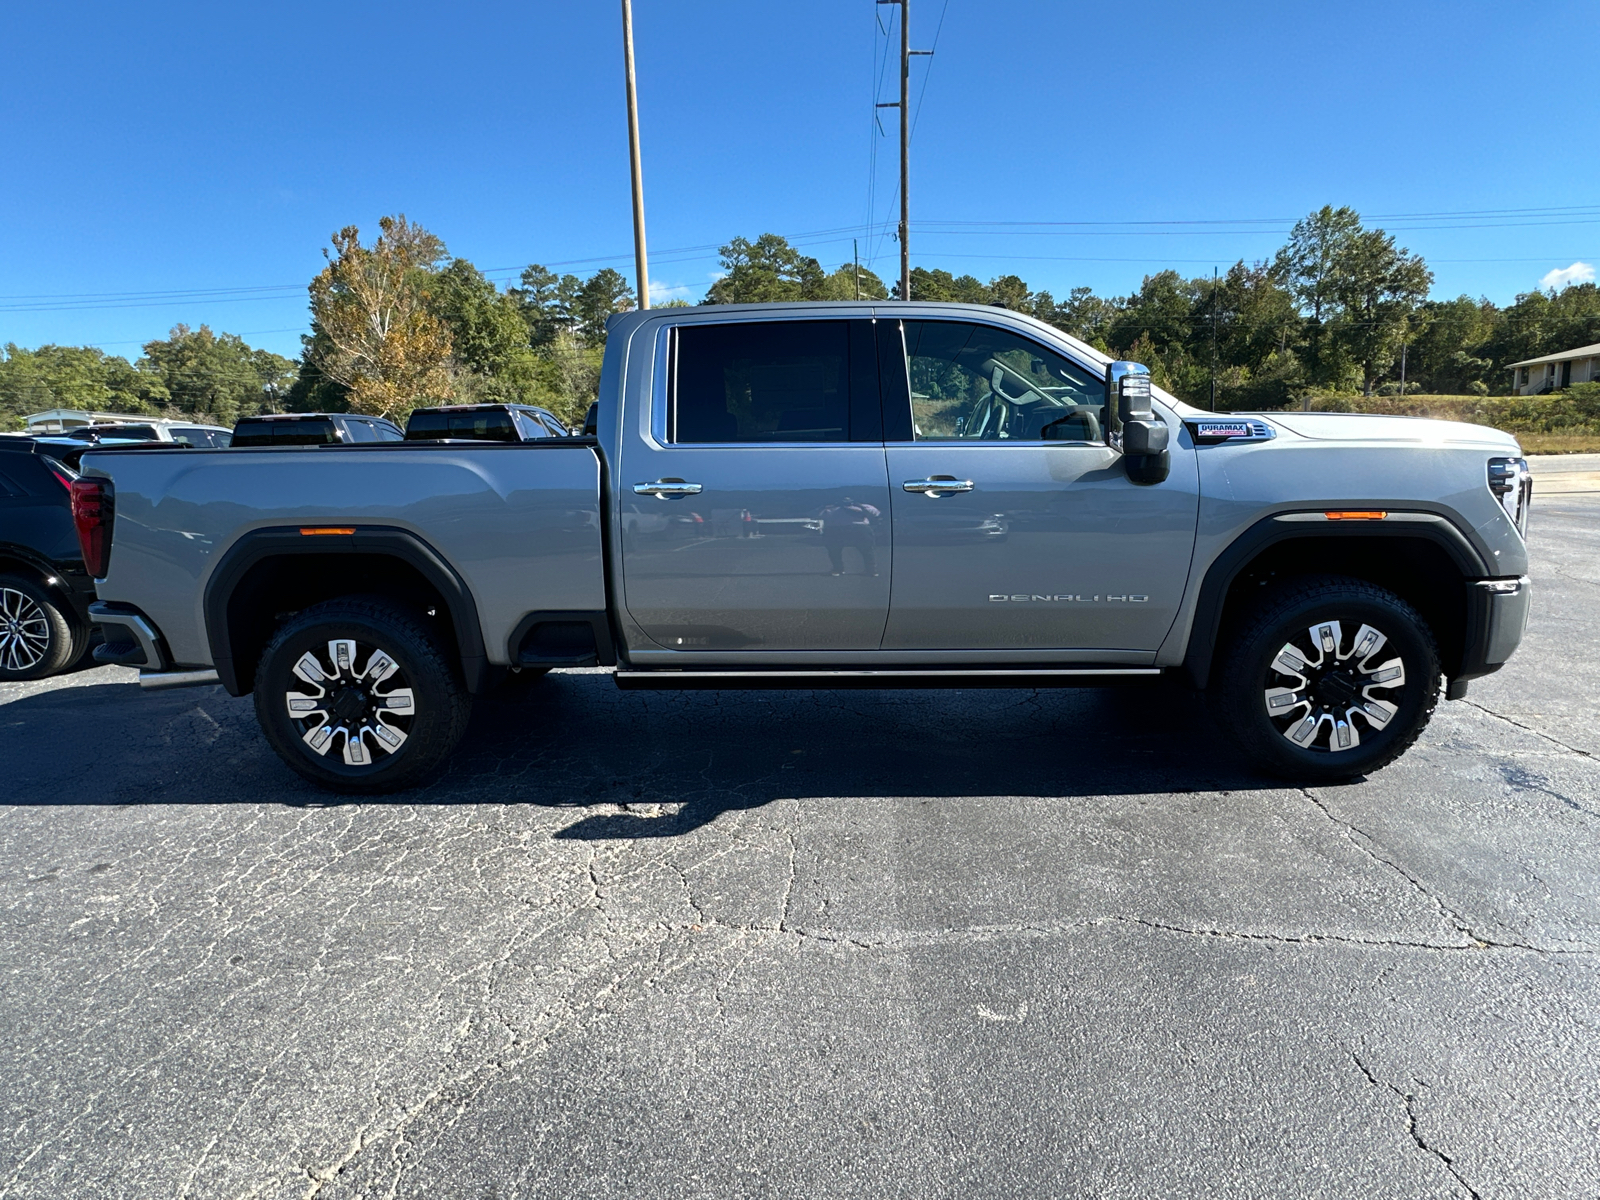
point(1552, 371)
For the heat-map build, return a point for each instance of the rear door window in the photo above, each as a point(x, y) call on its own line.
point(492, 425)
point(204, 439)
point(773, 381)
point(284, 433)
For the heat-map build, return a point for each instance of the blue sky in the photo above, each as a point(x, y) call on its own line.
point(186, 162)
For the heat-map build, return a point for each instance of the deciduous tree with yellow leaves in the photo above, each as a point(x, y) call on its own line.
point(373, 330)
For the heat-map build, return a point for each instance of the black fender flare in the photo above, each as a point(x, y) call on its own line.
point(259, 545)
point(1206, 626)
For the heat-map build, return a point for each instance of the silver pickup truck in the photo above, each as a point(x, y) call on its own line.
point(824, 496)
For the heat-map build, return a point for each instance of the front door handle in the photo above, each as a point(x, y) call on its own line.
point(937, 485)
point(666, 489)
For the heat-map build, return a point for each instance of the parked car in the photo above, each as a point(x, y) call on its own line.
point(484, 423)
point(1000, 506)
point(203, 437)
point(313, 429)
point(45, 592)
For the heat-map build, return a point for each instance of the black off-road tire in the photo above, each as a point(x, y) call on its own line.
point(439, 705)
point(1343, 685)
point(39, 635)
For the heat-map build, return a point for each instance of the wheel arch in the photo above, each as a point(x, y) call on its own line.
point(1421, 557)
point(270, 572)
point(18, 560)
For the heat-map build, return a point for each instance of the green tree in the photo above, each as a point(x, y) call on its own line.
point(941, 286)
point(1308, 265)
point(547, 301)
point(602, 296)
point(1377, 288)
point(80, 377)
point(1085, 316)
point(850, 282)
point(765, 270)
point(1449, 350)
point(215, 376)
point(491, 358)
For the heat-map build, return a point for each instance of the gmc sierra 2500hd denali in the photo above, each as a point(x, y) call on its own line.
point(830, 495)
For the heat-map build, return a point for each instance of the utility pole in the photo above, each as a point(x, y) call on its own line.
point(641, 269)
point(1213, 339)
point(1402, 368)
point(904, 105)
point(855, 251)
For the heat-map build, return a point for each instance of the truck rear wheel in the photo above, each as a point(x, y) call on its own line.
point(1328, 679)
point(357, 696)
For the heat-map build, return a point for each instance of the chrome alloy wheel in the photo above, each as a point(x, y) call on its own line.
point(362, 710)
point(1324, 691)
point(24, 631)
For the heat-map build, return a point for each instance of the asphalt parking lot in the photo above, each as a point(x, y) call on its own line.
point(811, 944)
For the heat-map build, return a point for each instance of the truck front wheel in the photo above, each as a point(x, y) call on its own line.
point(1328, 679)
point(357, 696)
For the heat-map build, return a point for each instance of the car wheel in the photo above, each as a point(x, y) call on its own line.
point(38, 636)
point(1329, 679)
point(357, 696)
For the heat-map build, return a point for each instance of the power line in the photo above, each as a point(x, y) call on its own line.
point(279, 293)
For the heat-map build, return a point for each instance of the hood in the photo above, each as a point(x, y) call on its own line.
point(1370, 427)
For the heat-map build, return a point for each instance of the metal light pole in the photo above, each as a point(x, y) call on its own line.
point(641, 269)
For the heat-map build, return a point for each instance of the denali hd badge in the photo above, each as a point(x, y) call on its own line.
point(1066, 599)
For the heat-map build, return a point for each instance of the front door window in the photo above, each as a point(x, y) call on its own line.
point(973, 382)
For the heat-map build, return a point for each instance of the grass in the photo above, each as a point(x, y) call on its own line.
point(1563, 423)
point(1559, 443)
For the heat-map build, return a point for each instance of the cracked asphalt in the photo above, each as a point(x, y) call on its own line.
point(810, 944)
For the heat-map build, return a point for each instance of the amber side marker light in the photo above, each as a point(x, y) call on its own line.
point(328, 530)
point(1332, 516)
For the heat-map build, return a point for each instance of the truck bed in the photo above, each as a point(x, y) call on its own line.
point(519, 523)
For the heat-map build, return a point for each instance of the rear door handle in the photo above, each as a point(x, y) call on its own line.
point(937, 485)
point(666, 489)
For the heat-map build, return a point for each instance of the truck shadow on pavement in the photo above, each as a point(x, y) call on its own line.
point(643, 764)
point(708, 753)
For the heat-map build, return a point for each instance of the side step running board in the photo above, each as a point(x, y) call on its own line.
point(885, 677)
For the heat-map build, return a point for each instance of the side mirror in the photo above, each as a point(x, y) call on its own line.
point(1135, 429)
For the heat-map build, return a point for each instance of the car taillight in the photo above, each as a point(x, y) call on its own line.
point(92, 511)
